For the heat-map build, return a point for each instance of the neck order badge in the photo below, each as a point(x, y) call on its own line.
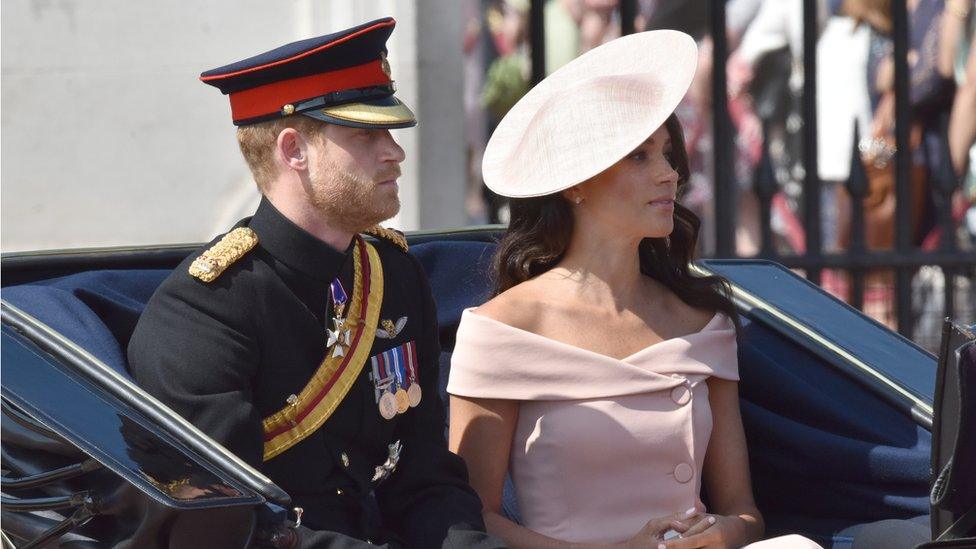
point(308, 410)
point(338, 337)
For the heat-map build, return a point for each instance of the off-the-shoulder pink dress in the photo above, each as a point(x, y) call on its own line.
point(601, 445)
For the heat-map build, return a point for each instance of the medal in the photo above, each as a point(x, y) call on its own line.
point(414, 394)
point(339, 337)
point(388, 405)
point(394, 379)
point(383, 384)
point(402, 401)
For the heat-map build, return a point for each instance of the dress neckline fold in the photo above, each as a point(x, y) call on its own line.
point(710, 325)
point(492, 359)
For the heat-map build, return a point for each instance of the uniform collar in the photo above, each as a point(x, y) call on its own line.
point(295, 246)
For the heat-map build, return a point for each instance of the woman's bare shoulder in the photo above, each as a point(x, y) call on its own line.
point(518, 306)
point(681, 315)
point(700, 317)
point(690, 318)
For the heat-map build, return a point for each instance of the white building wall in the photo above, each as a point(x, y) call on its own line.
point(107, 136)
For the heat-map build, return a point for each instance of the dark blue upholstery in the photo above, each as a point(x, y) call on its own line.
point(460, 276)
point(826, 454)
point(97, 310)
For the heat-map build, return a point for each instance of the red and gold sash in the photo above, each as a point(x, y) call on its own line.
point(337, 374)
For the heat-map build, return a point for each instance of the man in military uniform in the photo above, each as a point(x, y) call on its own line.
point(306, 349)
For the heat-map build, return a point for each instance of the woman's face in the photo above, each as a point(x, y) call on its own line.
point(635, 196)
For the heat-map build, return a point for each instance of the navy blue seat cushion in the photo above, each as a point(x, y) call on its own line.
point(826, 454)
point(97, 310)
point(460, 277)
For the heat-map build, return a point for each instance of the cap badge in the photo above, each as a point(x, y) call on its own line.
point(385, 65)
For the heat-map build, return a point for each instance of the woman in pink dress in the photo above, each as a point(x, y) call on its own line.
point(602, 376)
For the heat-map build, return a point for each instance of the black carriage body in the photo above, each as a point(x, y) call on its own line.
point(837, 409)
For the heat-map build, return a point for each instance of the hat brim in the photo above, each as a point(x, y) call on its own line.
point(386, 113)
point(589, 114)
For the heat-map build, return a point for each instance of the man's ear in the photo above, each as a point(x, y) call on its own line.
point(292, 149)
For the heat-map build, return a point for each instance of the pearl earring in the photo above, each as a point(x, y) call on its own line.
point(579, 199)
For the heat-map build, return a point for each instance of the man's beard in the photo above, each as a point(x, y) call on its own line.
point(352, 202)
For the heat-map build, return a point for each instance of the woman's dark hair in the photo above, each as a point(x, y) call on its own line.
point(540, 230)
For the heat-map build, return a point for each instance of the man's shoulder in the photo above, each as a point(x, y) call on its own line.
point(222, 254)
point(393, 251)
point(388, 238)
point(185, 308)
point(223, 270)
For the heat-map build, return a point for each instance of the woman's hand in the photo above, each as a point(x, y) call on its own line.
point(652, 534)
point(711, 532)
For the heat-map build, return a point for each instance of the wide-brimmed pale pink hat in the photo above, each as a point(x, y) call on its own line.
point(589, 114)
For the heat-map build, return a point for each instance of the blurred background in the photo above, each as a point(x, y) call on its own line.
point(834, 136)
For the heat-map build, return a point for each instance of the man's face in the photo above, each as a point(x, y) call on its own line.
point(353, 175)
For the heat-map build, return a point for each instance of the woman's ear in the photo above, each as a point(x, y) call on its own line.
point(292, 149)
point(574, 195)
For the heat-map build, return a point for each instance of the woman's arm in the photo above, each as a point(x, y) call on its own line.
point(953, 27)
point(962, 122)
point(726, 469)
point(481, 432)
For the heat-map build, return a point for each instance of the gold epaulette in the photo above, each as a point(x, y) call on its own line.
point(223, 254)
point(391, 235)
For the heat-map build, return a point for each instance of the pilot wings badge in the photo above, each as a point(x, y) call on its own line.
point(389, 330)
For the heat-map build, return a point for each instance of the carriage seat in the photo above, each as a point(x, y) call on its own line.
point(811, 430)
point(98, 310)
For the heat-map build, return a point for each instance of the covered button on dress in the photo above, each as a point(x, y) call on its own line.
point(601, 445)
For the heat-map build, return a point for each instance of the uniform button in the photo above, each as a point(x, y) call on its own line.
point(683, 473)
point(681, 395)
point(339, 492)
point(345, 459)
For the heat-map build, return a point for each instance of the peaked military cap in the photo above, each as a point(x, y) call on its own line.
point(341, 78)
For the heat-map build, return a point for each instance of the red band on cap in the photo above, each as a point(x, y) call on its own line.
point(270, 98)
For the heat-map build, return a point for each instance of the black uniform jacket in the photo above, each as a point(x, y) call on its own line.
point(228, 353)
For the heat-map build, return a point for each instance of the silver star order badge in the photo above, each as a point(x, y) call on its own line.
point(339, 337)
